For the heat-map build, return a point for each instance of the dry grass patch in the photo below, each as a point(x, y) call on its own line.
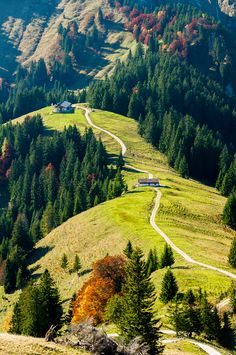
point(21, 345)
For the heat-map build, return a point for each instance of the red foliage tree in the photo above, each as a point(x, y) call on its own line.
point(105, 282)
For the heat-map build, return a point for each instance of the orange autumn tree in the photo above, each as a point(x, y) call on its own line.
point(106, 280)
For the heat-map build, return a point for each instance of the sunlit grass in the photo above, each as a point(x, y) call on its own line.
point(189, 214)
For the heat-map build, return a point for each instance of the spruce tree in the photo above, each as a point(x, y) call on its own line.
point(232, 253)
point(77, 264)
point(51, 314)
point(232, 295)
point(167, 257)
point(169, 287)
point(133, 312)
point(37, 309)
point(227, 336)
point(64, 261)
point(69, 316)
point(189, 297)
point(128, 250)
point(229, 213)
point(152, 262)
point(120, 161)
point(210, 320)
point(183, 168)
point(19, 278)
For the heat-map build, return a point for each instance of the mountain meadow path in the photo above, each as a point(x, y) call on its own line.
point(185, 256)
point(207, 348)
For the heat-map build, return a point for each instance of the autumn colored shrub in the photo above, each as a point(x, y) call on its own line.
point(105, 281)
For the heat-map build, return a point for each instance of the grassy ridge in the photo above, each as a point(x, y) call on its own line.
point(189, 214)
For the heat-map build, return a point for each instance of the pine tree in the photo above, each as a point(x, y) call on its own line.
point(128, 250)
point(232, 253)
point(169, 287)
point(229, 213)
point(77, 264)
point(38, 308)
point(183, 168)
point(19, 278)
point(227, 336)
point(133, 312)
point(210, 320)
point(51, 313)
point(152, 262)
point(167, 257)
point(64, 262)
point(120, 161)
point(69, 316)
point(233, 297)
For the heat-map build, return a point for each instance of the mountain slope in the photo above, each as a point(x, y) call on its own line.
point(29, 30)
point(186, 207)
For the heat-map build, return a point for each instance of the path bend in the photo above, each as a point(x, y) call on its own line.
point(185, 256)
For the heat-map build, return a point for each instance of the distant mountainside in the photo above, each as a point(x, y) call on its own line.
point(29, 30)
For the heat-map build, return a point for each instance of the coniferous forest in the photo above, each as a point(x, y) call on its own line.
point(46, 179)
point(181, 92)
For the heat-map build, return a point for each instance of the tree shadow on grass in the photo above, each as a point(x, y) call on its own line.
point(181, 267)
point(39, 253)
point(85, 272)
point(135, 192)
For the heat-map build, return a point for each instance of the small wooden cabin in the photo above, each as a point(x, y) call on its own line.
point(63, 107)
point(149, 182)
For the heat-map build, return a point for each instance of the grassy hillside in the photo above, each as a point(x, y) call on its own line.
point(189, 214)
point(22, 345)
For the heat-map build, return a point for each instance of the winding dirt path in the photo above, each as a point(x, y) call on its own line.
point(207, 348)
point(185, 256)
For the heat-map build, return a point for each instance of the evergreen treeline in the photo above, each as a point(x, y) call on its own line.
point(49, 179)
point(182, 112)
point(37, 309)
point(194, 314)
point(181, 90)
